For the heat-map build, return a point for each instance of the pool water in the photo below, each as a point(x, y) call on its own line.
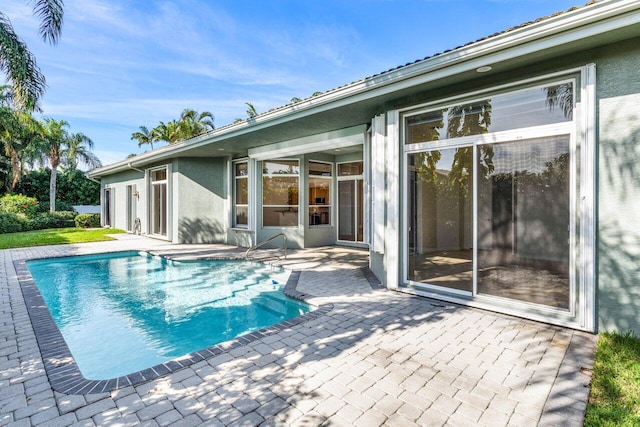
point(124, 312)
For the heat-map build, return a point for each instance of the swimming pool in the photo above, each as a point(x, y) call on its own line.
point(125, 312)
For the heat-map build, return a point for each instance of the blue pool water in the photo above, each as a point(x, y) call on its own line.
point(124, 312)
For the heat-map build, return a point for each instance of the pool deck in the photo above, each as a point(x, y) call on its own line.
point(377, 358)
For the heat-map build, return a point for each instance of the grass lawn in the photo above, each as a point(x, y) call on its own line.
point(615, 387)
point(55, 236)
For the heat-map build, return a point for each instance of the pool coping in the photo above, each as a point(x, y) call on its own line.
point(65, 375)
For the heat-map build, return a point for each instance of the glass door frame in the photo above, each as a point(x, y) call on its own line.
point(356, 207)
point(422, 148)
point(476, 141)
point(152, 202)
point(583, 147)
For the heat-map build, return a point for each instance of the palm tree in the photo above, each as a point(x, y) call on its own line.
point(144, 136)
point(251, 111)
point(78, 150)
point(192, 123)
point(18, 63)
point(54, 141)
point(168, 132)
point(19, 136)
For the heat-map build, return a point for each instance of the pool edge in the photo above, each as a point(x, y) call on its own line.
point(64, 374)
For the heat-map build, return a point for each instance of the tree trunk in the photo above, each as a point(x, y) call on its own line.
point(15, 170)
point(52, 188)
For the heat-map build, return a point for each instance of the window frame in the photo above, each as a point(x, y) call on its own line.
point(262, 193)
point(475, 141)
point(234, 203)
point(152, 203)
point(357, 207)
point(329, 202)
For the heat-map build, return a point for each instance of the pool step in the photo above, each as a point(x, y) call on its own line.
point(272, 303)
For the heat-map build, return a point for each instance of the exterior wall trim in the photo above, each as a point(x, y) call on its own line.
point(587, 203)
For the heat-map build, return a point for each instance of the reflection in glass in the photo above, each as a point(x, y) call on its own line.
point(319, 201)
point(242, 169)
point(347, 210)
point(159, 175)
point(242, 191)
point(350, 169)
point(280, 167)
point(360, 211)
point(440, 218)
point(279, 216)
point(280, 190)
point(320, 169)
point(523, 221)
point(241, 195)
point(159, 206)
point(242, 215)
point(280, 185)
point(513, 110)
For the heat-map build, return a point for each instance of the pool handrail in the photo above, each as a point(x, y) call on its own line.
point(264, 242)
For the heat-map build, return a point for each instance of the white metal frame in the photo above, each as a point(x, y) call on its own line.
point(581, 313)
point(152, 203)
point(108, 202)
point(262, 205)
point(331, 204)
point(234, 184)
point(354, 178)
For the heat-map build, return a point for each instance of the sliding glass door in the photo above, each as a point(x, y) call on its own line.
point(159, 205)
point(490, 200)
point(350, 202)
point(440, 220)
point(524, 221)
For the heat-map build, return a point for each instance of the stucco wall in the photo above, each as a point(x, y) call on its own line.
point(200, 200)
point(618, 173)
point(618, 89)
point(118, 183)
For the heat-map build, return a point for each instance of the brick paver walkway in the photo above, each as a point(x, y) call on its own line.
point(378, 358)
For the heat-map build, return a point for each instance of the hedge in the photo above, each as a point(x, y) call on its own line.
point(11, 222)
point(88, 220)
point(19, 204)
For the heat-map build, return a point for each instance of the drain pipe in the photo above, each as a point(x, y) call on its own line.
point(135, 169)
point(86, 175)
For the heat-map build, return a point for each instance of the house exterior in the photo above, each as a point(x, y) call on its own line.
point(503, 174)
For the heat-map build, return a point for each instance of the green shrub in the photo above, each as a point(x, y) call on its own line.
point(42, 221)
point(52, 220)
point(19, 204)
point(10, 222)
point(65, 215)
point(60, 206)
point(87, 220)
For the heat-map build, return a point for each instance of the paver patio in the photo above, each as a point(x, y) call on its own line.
point(378, 358)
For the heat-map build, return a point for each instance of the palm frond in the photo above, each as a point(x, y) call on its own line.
point(51, 14)
point(20, 67)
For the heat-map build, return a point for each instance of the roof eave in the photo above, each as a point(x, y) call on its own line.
point(554, 31)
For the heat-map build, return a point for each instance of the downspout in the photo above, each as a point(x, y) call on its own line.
point(135, 169)
point(86, 175)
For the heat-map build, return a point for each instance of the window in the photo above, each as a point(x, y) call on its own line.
point(351, 202)
point(491, 215)
point(280, 187)
point(159, 204)
point(520, 109)
point(320, 193)
point(241, 195)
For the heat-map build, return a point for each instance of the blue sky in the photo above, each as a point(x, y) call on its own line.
point(121, 63)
